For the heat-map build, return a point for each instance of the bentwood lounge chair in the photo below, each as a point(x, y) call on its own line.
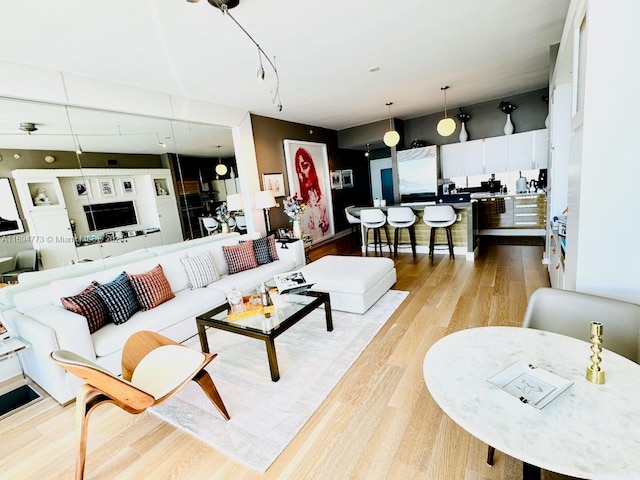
point(571, 313)
point(154, 368)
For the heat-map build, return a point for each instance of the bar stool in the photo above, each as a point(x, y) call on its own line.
point(439, 216)
point(373, 218)
point(402, 217)
point(352, 220)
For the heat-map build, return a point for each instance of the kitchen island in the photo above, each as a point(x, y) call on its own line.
point(464, 230)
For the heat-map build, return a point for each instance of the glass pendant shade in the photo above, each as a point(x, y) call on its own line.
point(391, 138)
point(221, 169)
point(446, 126)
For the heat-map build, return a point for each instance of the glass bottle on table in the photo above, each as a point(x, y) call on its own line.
point(234, 297)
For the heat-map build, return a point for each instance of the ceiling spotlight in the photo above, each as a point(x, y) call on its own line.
point(447, 125)
point(160, 143)
point(391, 138)
point(28, 127)
point(368, 152)
point(221, 168)
point(49, 158)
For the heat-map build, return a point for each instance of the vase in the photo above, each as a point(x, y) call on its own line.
point(464, 136)
point(224, 227)
point(508, 127)
point(297, 229)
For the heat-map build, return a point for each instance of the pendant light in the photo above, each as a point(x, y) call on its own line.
point(221, 168)
point(391, 138)
point(447, 125)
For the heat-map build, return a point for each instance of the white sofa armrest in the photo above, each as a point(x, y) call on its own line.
point(293, 251)
point(71, 331)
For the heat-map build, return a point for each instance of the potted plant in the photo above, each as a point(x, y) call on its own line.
point(294, 206)
point(223, 215)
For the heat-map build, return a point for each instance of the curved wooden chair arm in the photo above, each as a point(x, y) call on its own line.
point(120, 391)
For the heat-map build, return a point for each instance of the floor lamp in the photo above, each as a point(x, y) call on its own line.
point(265, 200)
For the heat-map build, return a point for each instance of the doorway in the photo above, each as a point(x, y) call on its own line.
point(386, 177)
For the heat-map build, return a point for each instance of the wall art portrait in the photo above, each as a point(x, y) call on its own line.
point(10, 222)
point(128, 187)
point(81, 188)
point(336, 179)
point(106, 189)
point(308, 175)
point(347, 178)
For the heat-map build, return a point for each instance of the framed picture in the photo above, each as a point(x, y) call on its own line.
point(10, 222)
point(128, 187)
point(308, 175)
point(105, 187)
point(275, 182)
point(336, 179)
point(347, 178)
point(81, 188)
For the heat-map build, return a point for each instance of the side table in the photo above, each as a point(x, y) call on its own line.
point(23, 395)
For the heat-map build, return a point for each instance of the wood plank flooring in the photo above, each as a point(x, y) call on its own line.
point(378, 423)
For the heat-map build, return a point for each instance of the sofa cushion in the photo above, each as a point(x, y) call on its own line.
point(119, 298)
point(200, 270)
point(273, 251)
point(240, 257)
point(90, 305)
point(151, 288)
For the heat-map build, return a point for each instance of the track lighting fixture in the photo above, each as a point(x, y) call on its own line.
point(391, 138)
point(225, 6)
point(447, 125)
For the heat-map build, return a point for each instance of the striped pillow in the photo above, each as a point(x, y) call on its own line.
point(119, 298)
point(240, 257)
point(151, 288)
point(201, 270)
point(88, 304)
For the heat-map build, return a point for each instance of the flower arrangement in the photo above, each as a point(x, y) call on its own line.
point(463, 117)
point(294, 206)
point(222, 213)
point(506, 107)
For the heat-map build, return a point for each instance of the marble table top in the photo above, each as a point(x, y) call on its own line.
point(589, 431)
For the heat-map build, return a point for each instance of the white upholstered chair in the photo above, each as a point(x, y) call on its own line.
point(374, 219)
point(352, 220)
point(439, 216)
point(571, 313)
point(402, 217)
point(210, 225)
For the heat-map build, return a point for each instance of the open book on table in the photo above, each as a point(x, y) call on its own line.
point(291, 282)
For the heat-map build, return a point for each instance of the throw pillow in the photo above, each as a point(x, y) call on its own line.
point(88, 304)
point(273, 251)
point(201, 270)
point(119, 298)
point(261, 250)
point(239, 257)
point(151, 288)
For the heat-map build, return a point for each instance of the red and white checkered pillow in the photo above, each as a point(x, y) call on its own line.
point(272, 247)
point(151, 288)
point(88, 304)
point(240, 257)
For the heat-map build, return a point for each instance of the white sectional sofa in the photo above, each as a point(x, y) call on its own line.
point(33, 309)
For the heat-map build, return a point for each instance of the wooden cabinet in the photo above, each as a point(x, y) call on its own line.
point(529, 211)
point(495, 212)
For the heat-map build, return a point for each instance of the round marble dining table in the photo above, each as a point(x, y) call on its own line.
point(588, 431)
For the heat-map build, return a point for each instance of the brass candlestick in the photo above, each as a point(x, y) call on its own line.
point(595, 373)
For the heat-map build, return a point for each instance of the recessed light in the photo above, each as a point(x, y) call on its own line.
point(374, 69)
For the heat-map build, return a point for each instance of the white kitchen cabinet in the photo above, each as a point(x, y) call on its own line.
point(473, 157)
point(451, 160)
point(51, 235)
point(496, 154)
point(541, 148)
point(520, 151)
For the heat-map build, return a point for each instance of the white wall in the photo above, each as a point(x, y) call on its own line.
point(602, 240)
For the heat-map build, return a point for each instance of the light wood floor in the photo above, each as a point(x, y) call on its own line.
point(378, 423)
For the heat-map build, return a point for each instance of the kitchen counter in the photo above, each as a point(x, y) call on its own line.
point(511, 214)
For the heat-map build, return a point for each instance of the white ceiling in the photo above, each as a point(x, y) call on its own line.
point(324, 50)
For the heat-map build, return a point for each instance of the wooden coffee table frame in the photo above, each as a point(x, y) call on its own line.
point(205, 320)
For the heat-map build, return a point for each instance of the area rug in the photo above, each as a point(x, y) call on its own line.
point(266, 415)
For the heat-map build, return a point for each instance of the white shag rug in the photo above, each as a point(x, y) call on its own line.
point(266, 415)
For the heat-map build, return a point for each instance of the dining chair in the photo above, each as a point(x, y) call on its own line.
point(374, 219)
point(571, 313)
point(210, 225)
point(24, 261)
point(154, 368)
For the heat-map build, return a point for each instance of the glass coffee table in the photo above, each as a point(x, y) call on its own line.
point(290, 309)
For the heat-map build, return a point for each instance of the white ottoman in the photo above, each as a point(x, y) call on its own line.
point(355, 283)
